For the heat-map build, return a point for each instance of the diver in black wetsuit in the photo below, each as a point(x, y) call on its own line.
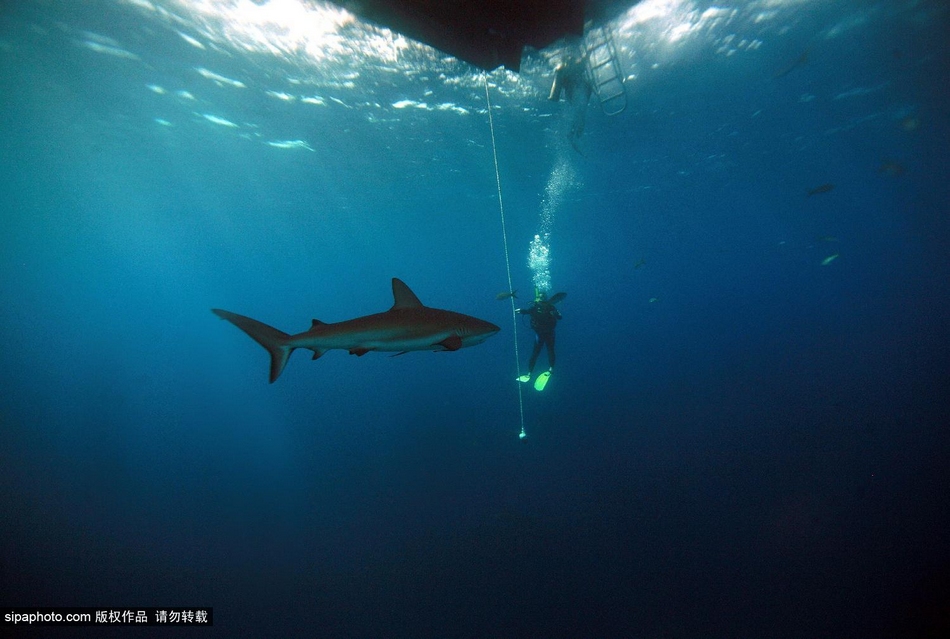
point(570, 78)
point(544, 316)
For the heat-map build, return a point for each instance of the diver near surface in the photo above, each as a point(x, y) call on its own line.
point(544, 316)
point(570, 79)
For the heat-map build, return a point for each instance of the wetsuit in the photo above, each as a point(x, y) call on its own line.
point(544, 316)
point(570, 78)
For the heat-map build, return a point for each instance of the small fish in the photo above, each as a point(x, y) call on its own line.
point(827, 238)
point(507, 294)
point(640, 263)
point(654, 299)
point(824, 188)
point(828, 260)
point(800, 61)
point(892, 167)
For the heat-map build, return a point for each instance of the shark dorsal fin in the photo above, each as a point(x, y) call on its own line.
point(403, 297)
point(316, 323)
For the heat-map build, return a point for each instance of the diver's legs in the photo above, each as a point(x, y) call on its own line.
point(556, 86)
point(579, 114)
point(534, 354)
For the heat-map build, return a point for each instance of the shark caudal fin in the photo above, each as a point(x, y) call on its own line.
point(270, 338)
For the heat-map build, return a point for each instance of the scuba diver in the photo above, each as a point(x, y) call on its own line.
point(570, 78)
point(544, 317)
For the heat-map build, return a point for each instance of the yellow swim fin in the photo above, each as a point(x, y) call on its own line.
point(542, 380)
point(524, 378)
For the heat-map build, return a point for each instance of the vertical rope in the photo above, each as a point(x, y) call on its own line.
point(504, 236)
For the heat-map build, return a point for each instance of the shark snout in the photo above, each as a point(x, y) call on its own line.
point(477, 332)
point(489, 330)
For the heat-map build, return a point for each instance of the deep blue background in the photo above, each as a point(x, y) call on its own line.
point(762, 451)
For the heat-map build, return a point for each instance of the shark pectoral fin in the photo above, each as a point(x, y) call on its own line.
point(359, 352)
point(452, 343)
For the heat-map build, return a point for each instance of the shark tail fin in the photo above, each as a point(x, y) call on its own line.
point(270, 338)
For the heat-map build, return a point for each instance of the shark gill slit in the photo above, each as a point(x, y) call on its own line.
point(504, 237)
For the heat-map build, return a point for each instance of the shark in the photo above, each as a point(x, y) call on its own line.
point(408, 326)
point(818, 190)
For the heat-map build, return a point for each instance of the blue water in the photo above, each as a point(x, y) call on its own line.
point(737, 441)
